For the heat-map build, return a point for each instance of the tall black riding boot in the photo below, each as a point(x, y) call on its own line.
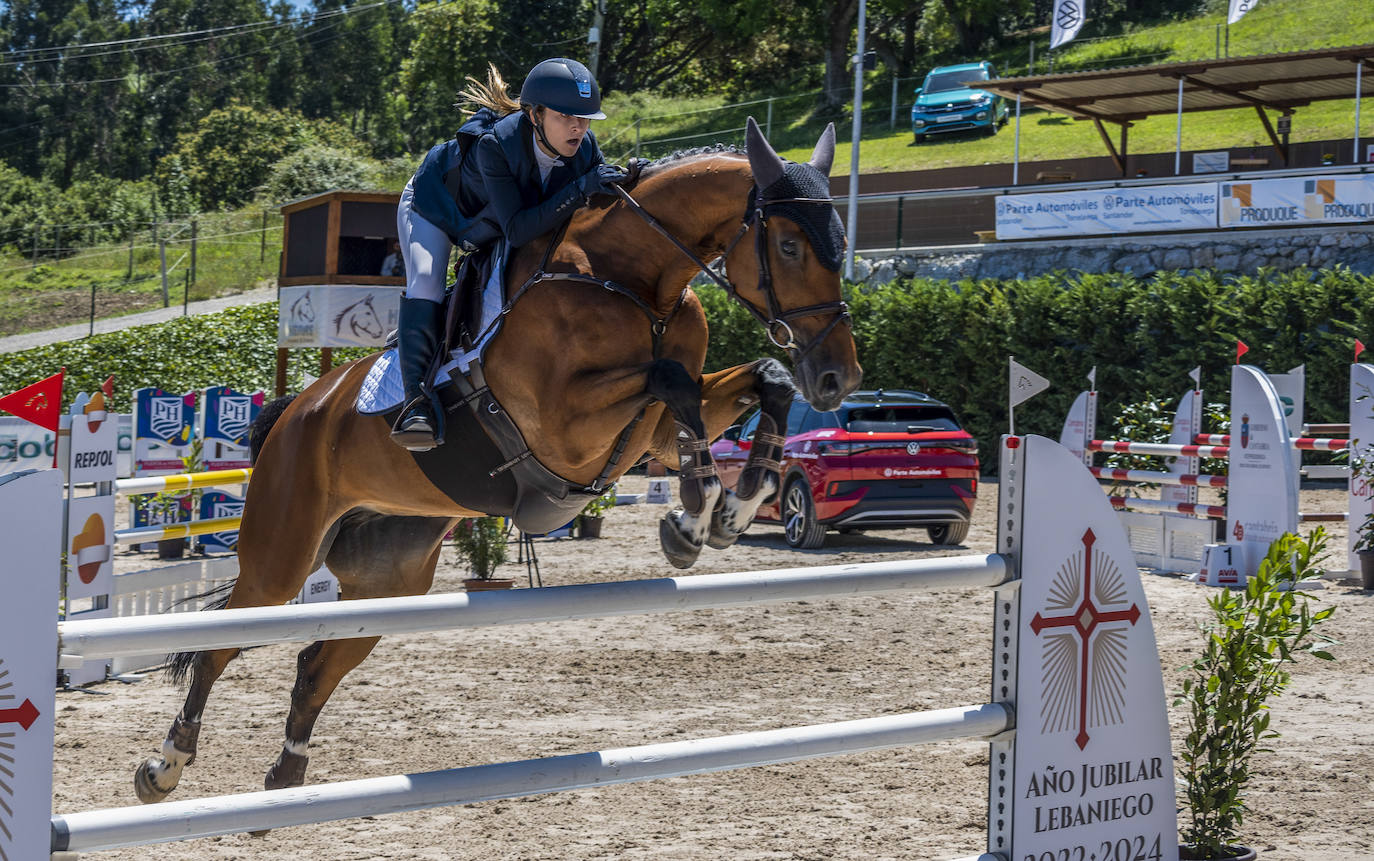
point(417, 340)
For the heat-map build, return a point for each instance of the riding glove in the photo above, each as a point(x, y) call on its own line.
point(602, 179)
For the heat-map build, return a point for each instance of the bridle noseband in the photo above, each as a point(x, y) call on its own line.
point(776, 320)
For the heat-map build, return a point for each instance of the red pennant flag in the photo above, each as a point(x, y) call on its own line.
point(40, 403)
point(108, 386)
point(1241, 350)
point(1359, 348)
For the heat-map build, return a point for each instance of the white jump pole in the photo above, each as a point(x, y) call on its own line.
point(374, 617)
point(96, 830)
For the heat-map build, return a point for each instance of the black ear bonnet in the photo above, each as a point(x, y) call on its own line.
point(820, 222)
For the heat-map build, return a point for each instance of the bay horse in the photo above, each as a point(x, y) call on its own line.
point(574, 365)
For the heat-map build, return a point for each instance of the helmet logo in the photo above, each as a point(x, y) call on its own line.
point(584, 89)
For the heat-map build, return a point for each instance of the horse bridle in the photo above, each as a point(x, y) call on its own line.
point(775, 321)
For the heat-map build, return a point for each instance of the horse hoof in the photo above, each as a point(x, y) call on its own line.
point(288, 770)
point(721, 538)
point(680, 552)
point(145, 784)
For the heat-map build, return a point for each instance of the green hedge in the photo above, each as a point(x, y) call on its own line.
point(949, 339)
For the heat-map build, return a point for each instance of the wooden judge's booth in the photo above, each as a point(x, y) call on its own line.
point(331, 289)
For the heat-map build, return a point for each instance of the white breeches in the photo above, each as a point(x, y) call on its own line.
point(426, 250)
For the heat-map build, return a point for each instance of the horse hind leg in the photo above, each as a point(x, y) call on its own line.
point(373, 556)
point(682, 532)
point(759, 480)
point(157, 776)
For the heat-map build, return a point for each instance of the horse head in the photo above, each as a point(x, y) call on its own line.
point(790, 279)
point(361, 318)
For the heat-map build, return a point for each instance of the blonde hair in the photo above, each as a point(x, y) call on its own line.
point(492, 94)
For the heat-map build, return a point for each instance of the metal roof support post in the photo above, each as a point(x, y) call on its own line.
point(852, 216)
point(1178, 135)
point(1359, 79)
point(1016, 144)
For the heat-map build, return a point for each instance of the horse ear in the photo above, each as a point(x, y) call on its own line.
point(763, 160)
point(824, 155)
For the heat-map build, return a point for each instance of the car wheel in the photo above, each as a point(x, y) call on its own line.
point(948, 533)
point(799, 517)
point(919, 138)
point(992, 130)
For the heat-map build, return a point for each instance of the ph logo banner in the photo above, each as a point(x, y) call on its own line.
point(227, 415)
point(164, 427)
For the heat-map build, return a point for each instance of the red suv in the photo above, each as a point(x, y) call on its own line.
point(884, 460)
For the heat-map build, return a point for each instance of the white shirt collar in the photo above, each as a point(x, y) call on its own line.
point(545, 161)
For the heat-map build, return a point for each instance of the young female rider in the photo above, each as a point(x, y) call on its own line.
point(515, 169)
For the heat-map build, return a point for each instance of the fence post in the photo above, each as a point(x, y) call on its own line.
point(162, 254)
point(35, 249)
point(186, 294)
point(262, 253)
point(92, 332)
point(57, 243)
point(636, 138)
point(892, 120)
point(1030, 65)
point(193, 251)
point(129, 276)
point(900, 201)
point(768, 126)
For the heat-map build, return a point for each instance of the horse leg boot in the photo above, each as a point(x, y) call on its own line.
point(759, 480)
point(682, 532)
point(157, 776)
point(416, 342)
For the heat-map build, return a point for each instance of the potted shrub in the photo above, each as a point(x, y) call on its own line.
point(1364, 548)
point(1254, 635)
point(589, 521)
point(481, 542)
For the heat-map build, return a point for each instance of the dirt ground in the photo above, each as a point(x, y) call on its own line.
point(434, 701)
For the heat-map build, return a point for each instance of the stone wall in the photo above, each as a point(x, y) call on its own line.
point(1240, 252)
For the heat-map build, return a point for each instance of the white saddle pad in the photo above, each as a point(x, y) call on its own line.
point(382, 390)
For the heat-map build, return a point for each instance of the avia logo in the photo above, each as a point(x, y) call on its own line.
point(1084, 656)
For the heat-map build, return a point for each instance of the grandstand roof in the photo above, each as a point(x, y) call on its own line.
point(1279, 82)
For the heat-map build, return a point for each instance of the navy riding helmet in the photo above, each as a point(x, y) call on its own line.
point(565, 86)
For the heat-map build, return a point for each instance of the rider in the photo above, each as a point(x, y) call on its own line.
point(515, 169)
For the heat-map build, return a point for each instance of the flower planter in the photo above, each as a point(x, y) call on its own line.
point(1366, 568)
point(477, 584)
point(171, 548)
point(590, 527)
point(1238, 853)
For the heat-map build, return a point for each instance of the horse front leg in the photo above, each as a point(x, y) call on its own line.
point(683, 531)
point(725, 396)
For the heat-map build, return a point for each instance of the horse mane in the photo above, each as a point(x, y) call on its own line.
point(650, 168)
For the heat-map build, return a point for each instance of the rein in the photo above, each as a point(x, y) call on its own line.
point(775, 321)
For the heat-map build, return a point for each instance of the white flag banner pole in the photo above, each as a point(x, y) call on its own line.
point(1238, 10)
point(1068, 17)
point(1023, 384)
point(1092, 378)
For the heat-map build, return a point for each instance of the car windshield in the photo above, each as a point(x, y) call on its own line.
point(946, 81)
point(904, 418)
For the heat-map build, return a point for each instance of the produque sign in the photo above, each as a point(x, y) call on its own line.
point(1107, 211)
point(226, 416)
point(164, 427)
point(336, 315)
point(1093, 768)
point(1296, 200)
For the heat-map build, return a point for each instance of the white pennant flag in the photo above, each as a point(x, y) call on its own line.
point(1068, 17)
point(1238, 10)
point(1025, 383)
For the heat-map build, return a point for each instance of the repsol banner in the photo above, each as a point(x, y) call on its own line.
point(1297, 200)
point(1107, 211)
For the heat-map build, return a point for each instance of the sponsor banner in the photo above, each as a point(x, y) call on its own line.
point(1262, 485)
point(1297, 200)
point(1107, 211)
point(164, 428)
point(90, 549)
point(25, 445)
point(336, 316)
point(1067, 20)
point(93, 442)
point(217, 503)
point(1360, 498)
point(225, 416)
point(320, 586)
point(1093, 766)
point(30, 541)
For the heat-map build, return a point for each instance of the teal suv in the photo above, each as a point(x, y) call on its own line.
point(944, 103)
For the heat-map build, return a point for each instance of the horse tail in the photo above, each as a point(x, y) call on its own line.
point(179, 664)
point(262, 425)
